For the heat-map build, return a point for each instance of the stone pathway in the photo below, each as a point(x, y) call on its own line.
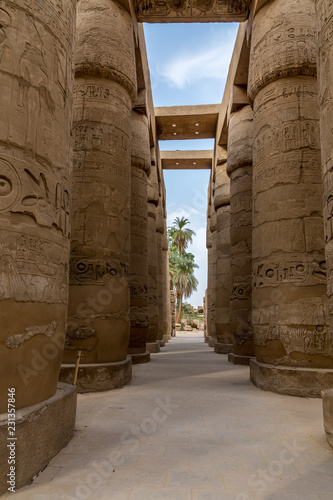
point(191, 427)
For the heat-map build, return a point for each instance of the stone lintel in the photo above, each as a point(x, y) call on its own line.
point(97, 377)
point(166, 11)
point(187, 160)
point(302, 382)
point(41, 431)
point(187, 122)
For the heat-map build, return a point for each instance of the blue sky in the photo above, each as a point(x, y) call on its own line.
point(189, 65)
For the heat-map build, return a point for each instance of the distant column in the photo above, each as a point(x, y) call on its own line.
point(212, 266)
point(290, 315)
point(160, 268)
point(210, 273)
point(153, 197)
point(223, 269)
point(100, 248)
point(239, 169)
point(140, 158)
point(166, 283)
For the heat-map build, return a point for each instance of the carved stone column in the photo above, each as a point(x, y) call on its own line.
point(36, 80)
point(290, 321)
point(166, 284)
point(140, 152)
point(212, 269)
point(160, 269)
point(173, 312)
point(100, 248)
point(223, 269)
point(153, 197)
point(239, 169)
point(324, 17)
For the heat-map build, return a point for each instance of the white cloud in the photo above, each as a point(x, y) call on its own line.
point(211, 61)
point(183, 211)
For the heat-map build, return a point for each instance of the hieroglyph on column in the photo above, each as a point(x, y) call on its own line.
point(36, 78)
point(99, 269)
point(289, 271)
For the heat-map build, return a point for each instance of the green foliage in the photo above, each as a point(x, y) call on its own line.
point(181, 263)
point(179, 235)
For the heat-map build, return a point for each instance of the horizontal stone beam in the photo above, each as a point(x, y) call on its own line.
point(198, 11)
point(187, 160)
point(186, 122)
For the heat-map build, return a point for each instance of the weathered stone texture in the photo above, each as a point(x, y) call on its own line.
point(100, 250)
point(36, 79)
point(160, 274)
point(223, 268)
point(140, 152)
point(328, 414)
point(45, 428)
point(239, 169)
point(324, 17)
point(153, 197)
point(167, 11)
point(289, 279)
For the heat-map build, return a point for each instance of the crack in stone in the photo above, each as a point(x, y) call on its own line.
point(15, 341)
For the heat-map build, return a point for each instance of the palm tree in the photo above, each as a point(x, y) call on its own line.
point(180, 235)
point(183, 278)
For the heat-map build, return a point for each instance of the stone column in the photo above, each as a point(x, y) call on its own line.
point(153, 197)
point(223, 269)
point(173, 312)
point(290, 320)
point(166, 282)
point(160, 269)
point(99, 296)
point(206, 338)
point(212, 269)
point(239, 169)
point(324, 17)
point(209, 272)
point(140, 153)
point(36, 79)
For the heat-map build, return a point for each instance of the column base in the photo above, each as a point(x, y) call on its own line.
point(237, 359)
point(206, 340)
point(42, 431)
point(222, 348)
point(328, 414)
point(139, 358)
point(211, 341)
point(98, 377)
point(153, 346)
point(162, 343)
point(166, 338)
point(302, 382)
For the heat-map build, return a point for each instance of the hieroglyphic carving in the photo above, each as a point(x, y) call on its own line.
point(191, 10)
point(286, 49)
point(26, 190)
point(241, 291)
point(298, 272)
point(324, 18)
point(89, 271)
point(32, 268)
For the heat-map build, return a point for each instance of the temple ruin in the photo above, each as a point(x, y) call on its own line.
point(83, 235)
